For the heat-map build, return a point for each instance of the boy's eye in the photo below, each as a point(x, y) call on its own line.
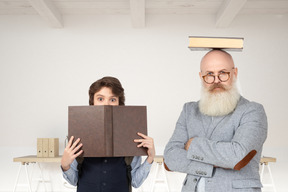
point(100, 99)
point(113, 100)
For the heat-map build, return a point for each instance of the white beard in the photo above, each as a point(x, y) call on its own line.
point(219, 103)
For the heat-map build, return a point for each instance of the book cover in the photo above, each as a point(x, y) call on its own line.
point(108, 131)
point(198, 43)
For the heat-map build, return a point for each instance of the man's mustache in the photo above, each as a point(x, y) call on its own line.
point(217, 85)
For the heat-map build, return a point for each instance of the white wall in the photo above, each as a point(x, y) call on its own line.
point(44, 70)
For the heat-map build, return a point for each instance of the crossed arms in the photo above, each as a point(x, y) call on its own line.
point(199, 155)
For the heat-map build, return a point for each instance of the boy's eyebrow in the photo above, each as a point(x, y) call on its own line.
point(99, 95)
point(104, 96)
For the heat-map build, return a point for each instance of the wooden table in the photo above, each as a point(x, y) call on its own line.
point(33, 159)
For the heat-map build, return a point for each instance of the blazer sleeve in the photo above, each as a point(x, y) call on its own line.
point(246, 142)
point(175, 156)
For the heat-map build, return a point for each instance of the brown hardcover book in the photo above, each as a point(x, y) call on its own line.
point(108, 131)
point(197, 43)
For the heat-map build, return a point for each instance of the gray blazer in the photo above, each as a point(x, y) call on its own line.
point(225, 150)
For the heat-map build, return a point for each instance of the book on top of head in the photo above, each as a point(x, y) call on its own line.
point(201, 43)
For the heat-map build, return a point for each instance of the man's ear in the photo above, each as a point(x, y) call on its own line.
point(236, 72)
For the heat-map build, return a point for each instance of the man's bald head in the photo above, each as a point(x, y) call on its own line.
point(217, 58)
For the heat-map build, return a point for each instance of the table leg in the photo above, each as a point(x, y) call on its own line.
point(43, 181)
point(154, 177)
point(17, 177)
point(271, 177)
point(165, 178)
point(27, 176)
point(262, 171)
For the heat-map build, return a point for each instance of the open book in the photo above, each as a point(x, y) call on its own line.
point(108, 131)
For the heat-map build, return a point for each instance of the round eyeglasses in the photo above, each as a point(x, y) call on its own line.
point(210, 79)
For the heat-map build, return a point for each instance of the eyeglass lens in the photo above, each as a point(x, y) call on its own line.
point(211, 78)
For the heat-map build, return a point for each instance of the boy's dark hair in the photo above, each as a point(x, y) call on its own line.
point(110, 82)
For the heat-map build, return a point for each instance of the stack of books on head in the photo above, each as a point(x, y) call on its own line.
point(198, 43)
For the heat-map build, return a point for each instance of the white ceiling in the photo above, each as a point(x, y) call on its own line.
point(223, 10)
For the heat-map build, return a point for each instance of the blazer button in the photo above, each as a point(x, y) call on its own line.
point(195, 180)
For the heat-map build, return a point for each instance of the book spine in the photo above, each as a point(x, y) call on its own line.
point(108, 123)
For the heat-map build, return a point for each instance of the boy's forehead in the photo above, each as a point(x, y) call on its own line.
point(105, 91)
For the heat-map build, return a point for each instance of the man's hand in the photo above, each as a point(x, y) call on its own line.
point(187, 145)
point(69, 153)
point(149, 144)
